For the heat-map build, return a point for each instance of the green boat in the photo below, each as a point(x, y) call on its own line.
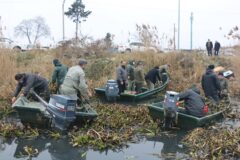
point(36, 112)
point(137, 97)
point(184, 120)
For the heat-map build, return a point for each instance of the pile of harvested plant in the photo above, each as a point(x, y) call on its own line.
point(214, 143)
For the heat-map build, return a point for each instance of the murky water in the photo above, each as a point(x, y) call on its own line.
point(167, 146)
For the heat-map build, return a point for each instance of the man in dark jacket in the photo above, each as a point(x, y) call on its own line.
point(31, 81)
point(217, 46)
point(59, 73)
point(211, 85)
point(209, 46)
point(122, 77)
point(152, 77)
point(194, 103)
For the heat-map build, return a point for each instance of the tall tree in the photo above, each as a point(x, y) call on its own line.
point(77, 13)
point(32, 29)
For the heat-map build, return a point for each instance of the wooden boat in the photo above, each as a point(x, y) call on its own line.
point(36, 112)
point(184, 120)
point(127, 96)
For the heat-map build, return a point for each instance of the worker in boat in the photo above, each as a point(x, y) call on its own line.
point(130, 74)
point(59, 73)
point(139, 77)
point(122, 77)
point(31, 81)
point(193, 102)
point(211, 85)
point(152, 77)
point(163, 71)
point(223, 84)
point(75, 83)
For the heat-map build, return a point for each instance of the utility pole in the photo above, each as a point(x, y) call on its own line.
point(63, 23)
point(179, 24)
point(174, 37)
point(1, 29)
point(191, 31)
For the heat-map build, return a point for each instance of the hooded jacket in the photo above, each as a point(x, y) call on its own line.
point(59, 73)
point(194, 103)
point(210, 84)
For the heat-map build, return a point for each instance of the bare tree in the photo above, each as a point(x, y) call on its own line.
point(233, 33)
point(32, 29)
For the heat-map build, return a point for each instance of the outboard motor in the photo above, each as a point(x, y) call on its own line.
point(112, 90)
point(62, 108)
point(170, 109)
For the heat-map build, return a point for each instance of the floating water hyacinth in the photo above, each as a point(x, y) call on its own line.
point(214, 143)
point(115, 125)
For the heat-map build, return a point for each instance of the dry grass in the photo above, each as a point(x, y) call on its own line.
point(186, 68)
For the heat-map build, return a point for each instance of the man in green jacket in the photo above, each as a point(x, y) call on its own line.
point(130, 74)
point(59, 73)
point(139, 77)
point(223, 84)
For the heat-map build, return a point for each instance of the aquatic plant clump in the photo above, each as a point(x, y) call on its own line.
point(115, 125)
point(224, 105)
point(10, 130)
point(214, 143)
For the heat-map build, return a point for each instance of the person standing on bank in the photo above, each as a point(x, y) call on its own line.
point(217, 46)
point(211, 85)
point(152, 77)
point(209, 46)
point(122, 77)
point(75, 82)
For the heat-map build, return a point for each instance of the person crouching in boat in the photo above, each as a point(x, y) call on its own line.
point(152, 77)
point(31, 81)
point(193, 102)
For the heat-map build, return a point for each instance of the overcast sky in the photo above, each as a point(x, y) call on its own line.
point(120, 16)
